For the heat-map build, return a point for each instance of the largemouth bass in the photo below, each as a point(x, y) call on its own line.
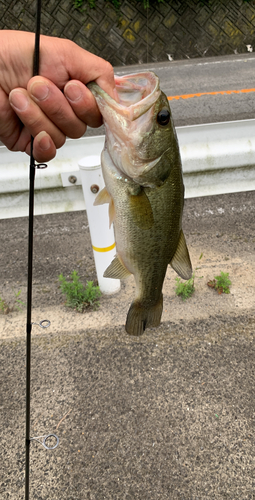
point(144, 188)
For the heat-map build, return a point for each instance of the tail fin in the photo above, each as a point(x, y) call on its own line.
point(139, 317)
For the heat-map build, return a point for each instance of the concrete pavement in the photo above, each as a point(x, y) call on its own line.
point(169, 415)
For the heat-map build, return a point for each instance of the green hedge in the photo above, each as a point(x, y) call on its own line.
point(84, 4)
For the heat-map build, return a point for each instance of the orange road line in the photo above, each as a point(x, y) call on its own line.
point(222, 92)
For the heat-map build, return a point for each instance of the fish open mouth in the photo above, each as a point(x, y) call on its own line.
point(128, 123)
point(134, 88)
point(137, 93)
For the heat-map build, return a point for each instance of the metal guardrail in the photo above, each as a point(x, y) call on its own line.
point(217, 158)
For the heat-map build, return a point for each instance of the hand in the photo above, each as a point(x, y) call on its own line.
point(55, 105)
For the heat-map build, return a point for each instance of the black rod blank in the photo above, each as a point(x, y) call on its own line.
point(30, 263)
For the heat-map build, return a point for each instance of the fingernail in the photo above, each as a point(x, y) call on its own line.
point(18, 100)
point(73, 92)
point(39, 90)
point(44, 141)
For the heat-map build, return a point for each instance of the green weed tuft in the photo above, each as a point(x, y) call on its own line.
point(186, 289)
point(220, 283)
point(6, 308)
point(78, 296)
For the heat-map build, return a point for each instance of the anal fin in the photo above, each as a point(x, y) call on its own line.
point(116, 270)
point(181, 259)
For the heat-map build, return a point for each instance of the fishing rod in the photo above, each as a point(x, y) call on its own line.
point(44, 323)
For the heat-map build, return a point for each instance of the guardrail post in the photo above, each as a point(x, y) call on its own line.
point(102, 237)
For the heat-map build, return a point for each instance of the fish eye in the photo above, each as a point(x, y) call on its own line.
point(163, 117)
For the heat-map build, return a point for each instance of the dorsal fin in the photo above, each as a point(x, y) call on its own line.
point(116, 270)
point(181, 259)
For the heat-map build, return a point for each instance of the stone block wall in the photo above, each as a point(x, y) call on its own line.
point(172, 29)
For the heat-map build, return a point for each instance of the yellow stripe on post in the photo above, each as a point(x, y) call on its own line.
point(106, 249)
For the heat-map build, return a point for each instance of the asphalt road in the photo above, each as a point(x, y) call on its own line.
point(209, 76)
point(206, 75)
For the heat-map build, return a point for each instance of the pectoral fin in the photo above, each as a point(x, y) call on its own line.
point(141, 211)
point(181, 259)
point(102, 197)
point(116, 270)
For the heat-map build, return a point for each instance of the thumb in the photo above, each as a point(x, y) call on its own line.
point(88, 67)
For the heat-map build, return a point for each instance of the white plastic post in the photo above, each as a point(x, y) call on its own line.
point(102, 237)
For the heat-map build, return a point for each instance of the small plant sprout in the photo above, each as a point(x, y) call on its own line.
point(220, 283)
point(4, 308)
point(77, 295)
point(200, 257)
point(16, 304)
point(186, 289)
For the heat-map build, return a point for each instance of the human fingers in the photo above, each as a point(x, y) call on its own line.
point(55, 106)
point(33, 118)
point(12, 132)
point(10, 125)
point(87, 67)
point(61, 60)
point(83, 103)
point(44, 148)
